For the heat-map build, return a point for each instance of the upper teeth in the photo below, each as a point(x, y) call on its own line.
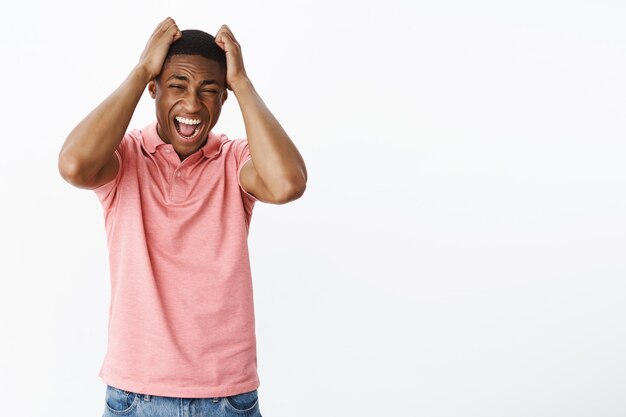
point(188, 121)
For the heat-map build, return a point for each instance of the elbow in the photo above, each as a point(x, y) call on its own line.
point(70, 170)
point(293, 186)
point(298, 190)
point(291, 193)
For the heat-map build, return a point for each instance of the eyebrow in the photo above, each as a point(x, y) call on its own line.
point(184, 78)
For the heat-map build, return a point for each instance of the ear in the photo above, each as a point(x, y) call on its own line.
point(152, 88)
point(224, 95)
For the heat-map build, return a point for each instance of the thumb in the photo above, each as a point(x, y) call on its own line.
point(220, 42)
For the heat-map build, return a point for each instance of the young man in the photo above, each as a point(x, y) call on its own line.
point(177, 201)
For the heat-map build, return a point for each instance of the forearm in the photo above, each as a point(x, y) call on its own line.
point(275, 157)
point(92, 142)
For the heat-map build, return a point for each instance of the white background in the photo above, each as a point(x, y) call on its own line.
point(459, 250)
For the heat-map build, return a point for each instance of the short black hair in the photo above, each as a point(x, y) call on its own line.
point(197, 42)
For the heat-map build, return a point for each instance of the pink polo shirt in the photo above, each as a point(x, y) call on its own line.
point(181, 318)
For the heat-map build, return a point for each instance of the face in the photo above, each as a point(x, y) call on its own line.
point(189, 94)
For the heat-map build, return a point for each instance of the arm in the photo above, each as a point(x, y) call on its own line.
point(87, 157)
point(277, 173)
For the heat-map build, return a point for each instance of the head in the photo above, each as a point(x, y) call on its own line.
point(190, 91)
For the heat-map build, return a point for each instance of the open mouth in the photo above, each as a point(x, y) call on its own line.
point(187, 129)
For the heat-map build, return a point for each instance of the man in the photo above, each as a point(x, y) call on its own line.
point(177, 201)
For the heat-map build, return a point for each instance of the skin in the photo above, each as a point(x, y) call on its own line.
point(189, 86)
point(276, 174)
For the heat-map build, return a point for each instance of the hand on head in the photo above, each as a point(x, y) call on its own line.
point(167, 32)
point(235, 71)
point(154, 53)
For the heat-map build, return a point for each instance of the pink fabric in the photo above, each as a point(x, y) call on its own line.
point(181, 318)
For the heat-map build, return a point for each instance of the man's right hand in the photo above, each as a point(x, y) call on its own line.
point(87, 158)
point(154, 54)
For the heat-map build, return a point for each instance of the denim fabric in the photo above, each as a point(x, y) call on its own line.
point(120, 402)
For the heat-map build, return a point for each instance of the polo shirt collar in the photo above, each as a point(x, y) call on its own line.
point(151, 140)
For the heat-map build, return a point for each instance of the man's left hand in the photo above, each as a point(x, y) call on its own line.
point(235, 72)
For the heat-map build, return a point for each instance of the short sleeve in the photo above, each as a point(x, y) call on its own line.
point(242, 154)
point(107, 193)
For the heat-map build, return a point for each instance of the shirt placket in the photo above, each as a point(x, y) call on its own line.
point(177, 183)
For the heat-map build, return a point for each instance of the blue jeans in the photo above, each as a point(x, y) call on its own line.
point(120, 402)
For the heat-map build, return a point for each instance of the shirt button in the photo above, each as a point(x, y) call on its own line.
point(178, 174)
point(167, 150)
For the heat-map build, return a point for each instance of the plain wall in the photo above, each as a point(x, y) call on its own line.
point(459, 250)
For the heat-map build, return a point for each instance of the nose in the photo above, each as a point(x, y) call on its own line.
point(191, 102)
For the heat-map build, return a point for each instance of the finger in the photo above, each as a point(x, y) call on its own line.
point(227, 39)
point(177, 35)
point(168, 21)
point(225, 29)
point(219, 34)
point(172, 31)
point(160, 26)
point(222, 40)
point(168, 26)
